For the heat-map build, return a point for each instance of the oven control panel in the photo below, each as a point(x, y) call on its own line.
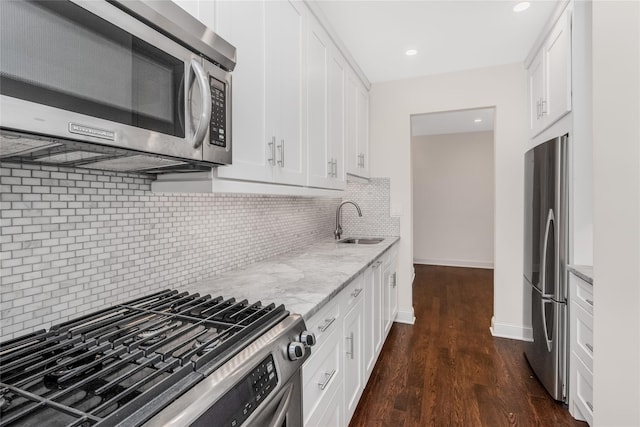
point(242, 400)
point(218, 125)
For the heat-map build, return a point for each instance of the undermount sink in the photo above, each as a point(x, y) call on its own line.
point(361, 240)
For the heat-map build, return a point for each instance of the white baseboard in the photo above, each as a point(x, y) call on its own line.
point(514, 332)
point(454, 263)
point(406, 317)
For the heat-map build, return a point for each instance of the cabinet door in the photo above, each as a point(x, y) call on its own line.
point(372, 316)
point(353, 358)
point(285, 106)
point(390, 292)
point(242, 23)
point(536, 94)
point(320, 162)
point(332, 416)
point(557, 52)
point(336, 124)
point(362, 136)
point(351, 124)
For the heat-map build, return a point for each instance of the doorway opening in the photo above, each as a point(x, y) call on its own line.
point(452, 156)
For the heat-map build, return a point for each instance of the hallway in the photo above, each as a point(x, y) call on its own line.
point(447, 369)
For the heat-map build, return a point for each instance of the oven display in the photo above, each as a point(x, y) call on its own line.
point(218, 126)
point(232, 409)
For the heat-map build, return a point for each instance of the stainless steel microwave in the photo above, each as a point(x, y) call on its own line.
point(119, 85)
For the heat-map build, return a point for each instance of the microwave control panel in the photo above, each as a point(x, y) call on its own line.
point(218, 127)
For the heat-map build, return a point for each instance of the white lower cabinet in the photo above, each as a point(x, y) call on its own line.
point(581, 348)
point(350, 332)
point(353, 357)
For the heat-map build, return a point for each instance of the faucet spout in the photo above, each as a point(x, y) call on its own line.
point(338, 231)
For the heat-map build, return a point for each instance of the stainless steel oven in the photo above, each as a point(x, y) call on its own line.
point(260, 386)
point(114, 79)
point(167, 359)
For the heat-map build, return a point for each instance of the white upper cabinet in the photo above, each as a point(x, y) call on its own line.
point(357, 124)
point(550, 77)
point(557, 55)
point(296, 103)
point(242, 23)
point(284, 39)
point(325, 110)
point(267, 101)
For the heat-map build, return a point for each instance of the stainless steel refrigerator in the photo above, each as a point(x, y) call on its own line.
point(545, 262)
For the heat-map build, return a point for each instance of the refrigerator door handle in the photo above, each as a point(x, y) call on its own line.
point(545, 246)
point(544, 323)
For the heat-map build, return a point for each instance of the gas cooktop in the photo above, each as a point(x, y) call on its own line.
point(103, 367)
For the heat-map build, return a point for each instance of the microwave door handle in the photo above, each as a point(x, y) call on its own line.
point(205, 96)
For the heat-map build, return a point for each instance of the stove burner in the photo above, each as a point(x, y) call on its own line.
point(151, 335)
point(201, 344)
point(5, 399)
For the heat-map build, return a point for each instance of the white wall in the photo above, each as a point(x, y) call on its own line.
point(503, 87)
point(453, 199)
point(616, 161)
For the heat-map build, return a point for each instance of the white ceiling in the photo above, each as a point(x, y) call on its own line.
point(461, 121)
point(450, 35)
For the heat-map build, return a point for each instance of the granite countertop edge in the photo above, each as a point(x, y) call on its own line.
point(585, 272)
point(304, 280)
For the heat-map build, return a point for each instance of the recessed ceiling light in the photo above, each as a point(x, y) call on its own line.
point(477, 120)
point(523, 5)
point(411, 52)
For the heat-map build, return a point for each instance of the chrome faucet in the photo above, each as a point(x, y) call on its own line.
point(338, 231)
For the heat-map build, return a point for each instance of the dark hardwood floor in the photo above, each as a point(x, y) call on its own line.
point(447, 369)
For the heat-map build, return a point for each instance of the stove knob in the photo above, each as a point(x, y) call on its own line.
point(308, 338)
point(296, 350)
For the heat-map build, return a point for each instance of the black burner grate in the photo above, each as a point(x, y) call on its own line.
point(102, 367)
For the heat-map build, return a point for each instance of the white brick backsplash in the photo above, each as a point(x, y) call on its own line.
point(79, 240)
point(374, 201)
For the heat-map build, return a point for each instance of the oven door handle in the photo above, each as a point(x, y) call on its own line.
point(283, 408)
point(205, 96)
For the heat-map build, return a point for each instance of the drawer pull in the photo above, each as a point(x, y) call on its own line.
point(590, 302)
point(590, 405)
point(589, 346)
point(356, 292)
point(327, 378)
point(350, 338)
point(327, 323)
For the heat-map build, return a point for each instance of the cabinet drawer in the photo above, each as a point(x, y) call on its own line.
point(584, 391)
point(329, 413)
point(584, 336)
point(353, 293)
point(324, 322)
point(321, 375)
point(584, 294)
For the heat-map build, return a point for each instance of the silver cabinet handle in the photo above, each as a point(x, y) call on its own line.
point(590, 302)
point(327, 378)
point(394, 280)
point(272, 151)
point(281, 149)
point(326, 325)
point(590, 405)
point(330, 163)
point(589, 346)
point(335, 168)
point(350, 338)
point(543, 107)
point(205, 95)
point(356, 292)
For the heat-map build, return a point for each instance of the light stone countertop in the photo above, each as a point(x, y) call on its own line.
point(304, 280)
point(585, 272)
